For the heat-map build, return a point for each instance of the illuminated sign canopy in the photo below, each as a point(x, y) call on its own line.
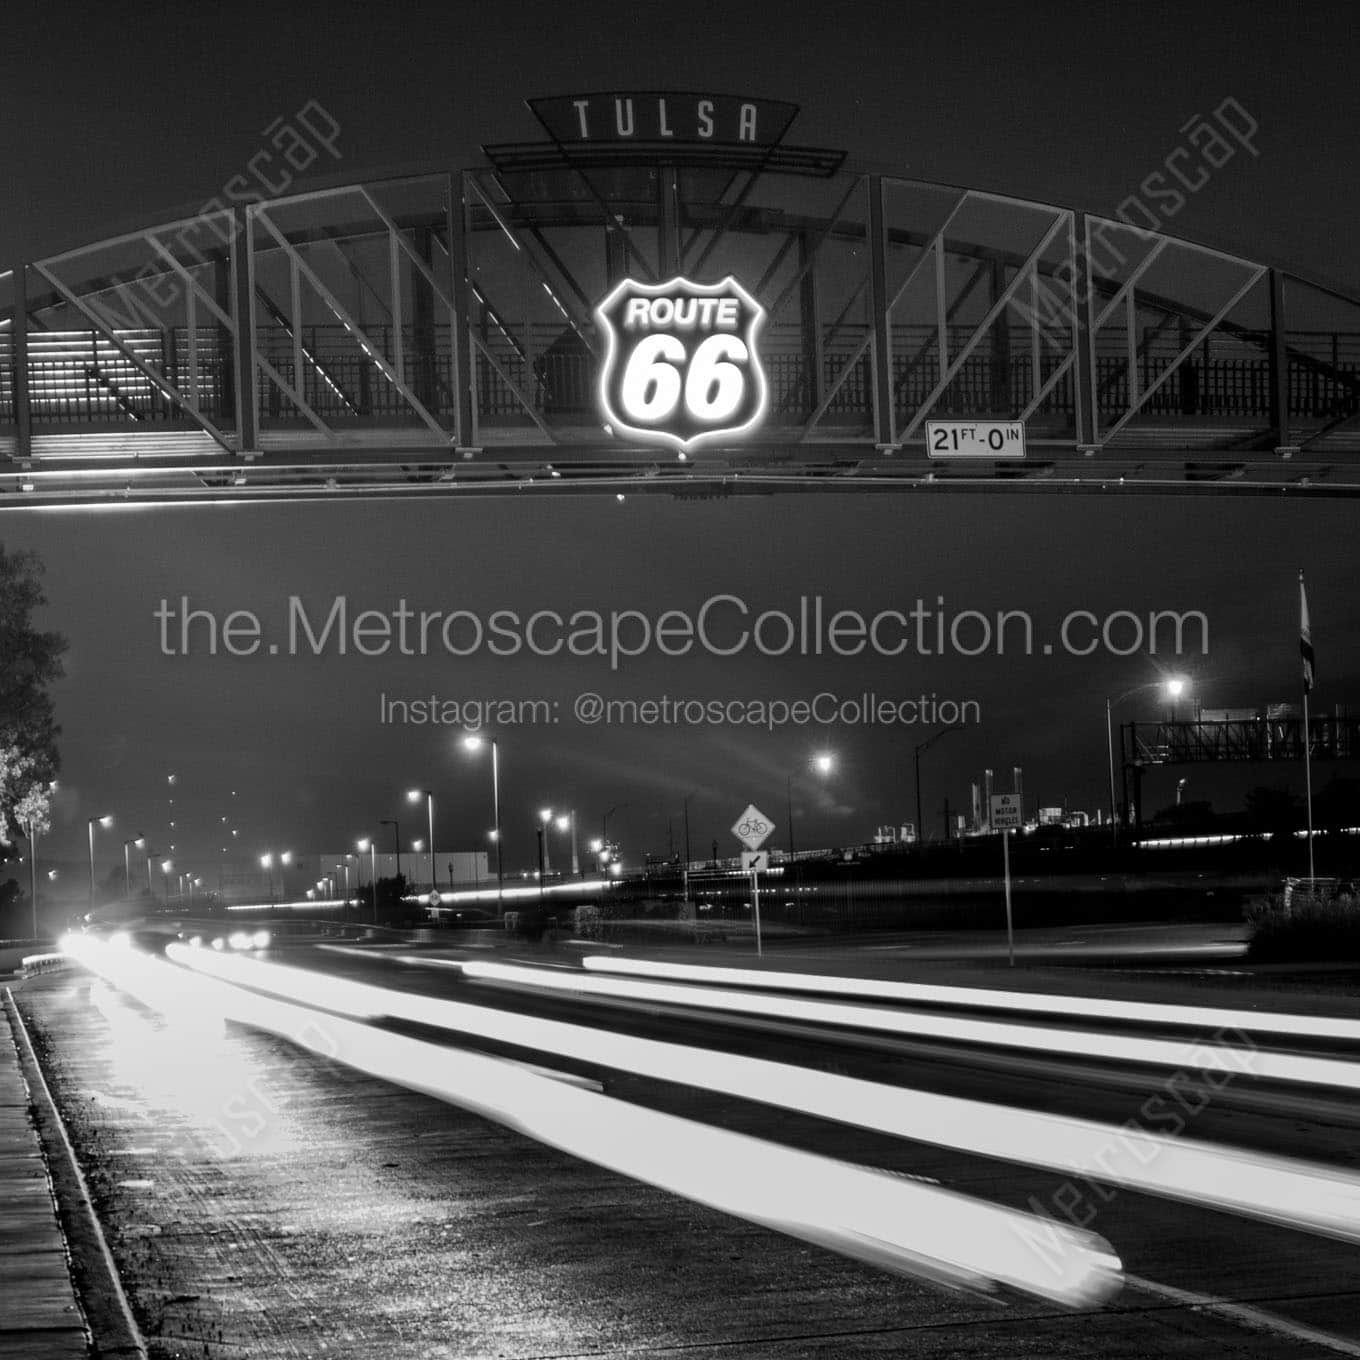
point(682, 367)
point(664, 116)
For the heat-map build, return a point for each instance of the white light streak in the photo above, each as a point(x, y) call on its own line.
point(1277, 1189)
point(1043, 1003)
point(895, 1223)
point(1197, 1056)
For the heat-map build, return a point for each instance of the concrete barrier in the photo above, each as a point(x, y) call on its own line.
point(43, 963)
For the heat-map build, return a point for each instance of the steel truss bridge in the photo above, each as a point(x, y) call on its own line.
point(433, 333)
point(1266, 737)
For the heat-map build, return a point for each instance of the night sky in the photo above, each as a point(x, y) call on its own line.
point(118, 115)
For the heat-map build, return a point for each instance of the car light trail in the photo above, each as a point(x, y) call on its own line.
point(1277, 1189)
point(1175, 1053)
point(894, 1223)
point(1045, 1003)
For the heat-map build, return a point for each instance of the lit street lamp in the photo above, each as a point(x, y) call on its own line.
point(166, 867)
point(1175, 687)
point(105, 821)
point(414, 796)
point(474, 743)
point(604, 824)
point(370, 845)
point(396, 839)
point(127, 860)
point(822, 763)
point(544, 858)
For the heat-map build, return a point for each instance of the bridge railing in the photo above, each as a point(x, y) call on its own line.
point(79, 377)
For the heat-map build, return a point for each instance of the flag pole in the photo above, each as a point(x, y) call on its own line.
point(1308, 780)
point(1306, 653)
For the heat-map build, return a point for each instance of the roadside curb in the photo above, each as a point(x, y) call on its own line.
point(99, 1290)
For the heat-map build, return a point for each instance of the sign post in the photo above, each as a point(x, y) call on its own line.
point(753, 828)
point(1005, 817)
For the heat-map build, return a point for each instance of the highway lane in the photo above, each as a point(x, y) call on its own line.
point(805, 1300)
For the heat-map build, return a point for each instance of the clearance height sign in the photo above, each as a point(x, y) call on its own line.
point(682, 364)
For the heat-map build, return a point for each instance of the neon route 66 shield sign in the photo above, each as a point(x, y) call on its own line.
point(681, 366)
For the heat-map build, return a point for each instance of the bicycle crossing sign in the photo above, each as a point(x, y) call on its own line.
point(753, 828)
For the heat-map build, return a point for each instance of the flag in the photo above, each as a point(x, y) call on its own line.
point(1305, 638)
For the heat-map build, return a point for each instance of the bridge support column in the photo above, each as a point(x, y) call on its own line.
point(667, 222)
point(809, 301)
point(1279, 363)
point(460, 290)
point(243, 263)
point(999, 393)
point(1084, 367)
point(425, 380)
point(884, 435)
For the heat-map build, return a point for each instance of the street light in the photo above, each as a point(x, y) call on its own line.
point(822, 763)
point(105, 821)
point(472, 742)
point(139, 842)
point(369, 845)
point(414, 796)
point(396, 839)
point(922, 747)
point(566, 821)
point(267, 863)
point(604, 824)
point(544, 858)
point(1175, 686)
point(166, 867)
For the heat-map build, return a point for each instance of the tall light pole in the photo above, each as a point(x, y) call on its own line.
point(166, 866)
point(921, 748)
point(139, 842)
point(604, 824)
point(105, 821)
point(544, 858)
point(566, 821)
point(396, 839)
point(1175, 687)
point(822, 763)
point(370, 844)
point(414, 796)
point(33, 873)
point(472, 742)
point(267, 864)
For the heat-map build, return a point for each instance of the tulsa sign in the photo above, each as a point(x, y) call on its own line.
point(682, 366)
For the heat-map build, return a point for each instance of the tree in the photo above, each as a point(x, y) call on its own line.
point(25, 797)
point(30, 660)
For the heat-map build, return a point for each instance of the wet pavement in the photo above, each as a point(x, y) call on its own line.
point(262, 1202)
